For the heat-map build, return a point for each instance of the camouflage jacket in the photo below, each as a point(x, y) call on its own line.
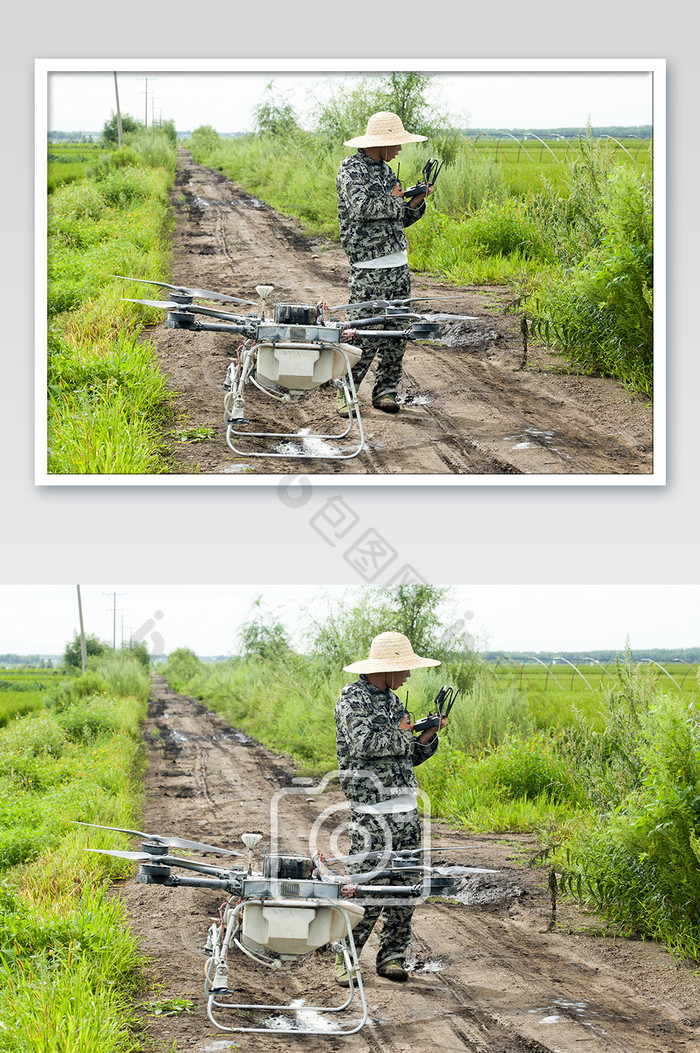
point(371, 221)
point(369, 743)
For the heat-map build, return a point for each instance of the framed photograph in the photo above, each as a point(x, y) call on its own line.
point(370, 272)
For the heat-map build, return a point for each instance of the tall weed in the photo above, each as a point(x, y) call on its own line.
point(599, 311)
point(636, 856)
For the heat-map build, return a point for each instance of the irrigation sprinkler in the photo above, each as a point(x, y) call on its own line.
point(520, 667)
point(486, 135)
point(569, 144)
point(575, 669)
point(642, 142)
point(534, 658)
point(605, 671)
point(611, 138)
point(545, 147)
point(520, 145)
point(652, 662)
point(688, 670)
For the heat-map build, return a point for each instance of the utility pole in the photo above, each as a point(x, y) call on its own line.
point(119, 112)
point(83, 645)
point(114, 619)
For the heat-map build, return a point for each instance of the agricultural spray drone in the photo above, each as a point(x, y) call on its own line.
point(297, 350)
point(293, 906)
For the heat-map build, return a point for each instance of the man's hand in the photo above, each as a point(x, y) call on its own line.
point(419, 198)
point(397, 190)
point(406, 723)
point(428, 734)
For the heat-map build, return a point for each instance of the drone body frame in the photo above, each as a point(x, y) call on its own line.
point(288, 356)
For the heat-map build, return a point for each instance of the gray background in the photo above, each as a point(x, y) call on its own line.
point(442, 534)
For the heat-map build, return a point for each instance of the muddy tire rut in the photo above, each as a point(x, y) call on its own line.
point(489, 972)
point(471, 405)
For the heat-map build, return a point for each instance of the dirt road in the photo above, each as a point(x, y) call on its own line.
point(469, 408)
point(492, 972)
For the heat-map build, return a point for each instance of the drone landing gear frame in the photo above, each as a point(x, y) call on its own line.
point(351, 401)
point(220, 950)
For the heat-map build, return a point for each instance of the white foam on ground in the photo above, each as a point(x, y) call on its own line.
point(309, 446)
point(308, 1020)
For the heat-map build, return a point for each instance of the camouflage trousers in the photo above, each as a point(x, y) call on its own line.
point(386, 283)
point(368, 833)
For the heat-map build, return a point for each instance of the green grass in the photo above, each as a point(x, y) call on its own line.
point(18, 703)
point(68, 162)
point(108, 400)
point(23, 692)
point(69, 967)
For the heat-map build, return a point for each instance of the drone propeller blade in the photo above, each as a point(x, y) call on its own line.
point(195, 308)
point(441, 317)
point(165, 304)
point(196, 846)
point(160, 860)
point(141, 857)
point(205, 294)
point(169, 842)
point(214, 312)
point(463, 871)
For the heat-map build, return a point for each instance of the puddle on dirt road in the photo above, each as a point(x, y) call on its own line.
point(424, 965)
point(547, 439)
point(481, 891)
point(195, 201)
point(250, 202)
point(561, 1011)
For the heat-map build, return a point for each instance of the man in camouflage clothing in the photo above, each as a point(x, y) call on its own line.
point(377, 753)
point(372, 217)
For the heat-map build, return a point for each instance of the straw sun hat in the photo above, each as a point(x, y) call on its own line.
point(390, 653)
point(385, 129)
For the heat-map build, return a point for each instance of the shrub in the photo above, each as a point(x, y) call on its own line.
point(531, 767)
point(124, 675)
point(182, 665)
point(599, 311)
point(33, 737)
point(204, 140)
point(89, 718)
point(504, 229)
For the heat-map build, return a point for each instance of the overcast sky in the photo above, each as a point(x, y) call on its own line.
point(225, 100)
point(36, 619)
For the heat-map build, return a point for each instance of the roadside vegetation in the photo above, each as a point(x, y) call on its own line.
point(602, 763)
point(567, 225)
point(108, 213)
point(69, 967)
